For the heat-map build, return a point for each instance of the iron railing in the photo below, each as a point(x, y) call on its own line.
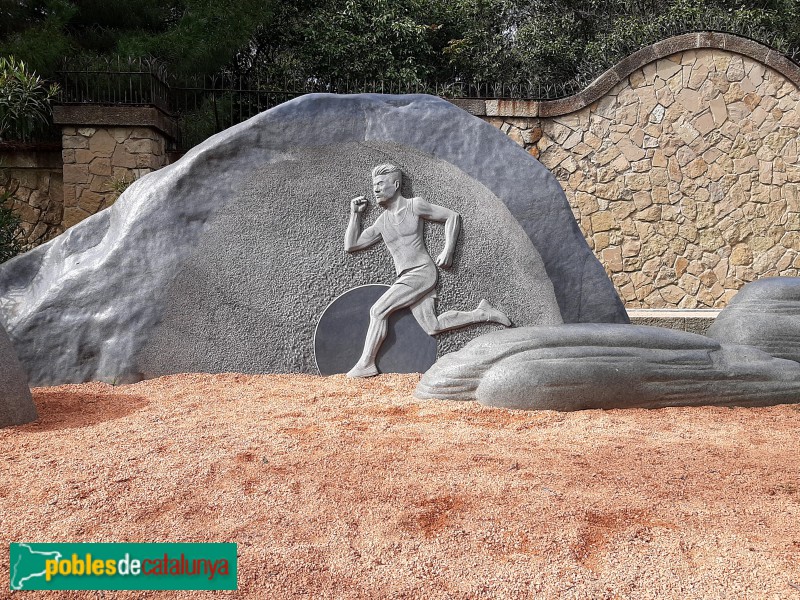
point(127, 81)
point(206, 105)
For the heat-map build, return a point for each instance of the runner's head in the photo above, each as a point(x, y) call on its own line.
point(386, 180)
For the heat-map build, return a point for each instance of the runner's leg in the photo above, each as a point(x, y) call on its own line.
point(425, 314)
point(396, 297)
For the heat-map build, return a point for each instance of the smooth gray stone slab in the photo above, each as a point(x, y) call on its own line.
point(225, 260)
point(16, 404)
point(341, 331)
point(584, 366)
point(764, 314)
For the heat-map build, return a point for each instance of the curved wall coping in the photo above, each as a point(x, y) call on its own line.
point(603, 84)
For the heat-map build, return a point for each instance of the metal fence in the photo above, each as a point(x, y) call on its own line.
point(147, 82)
point(131, 81)
point(206, 105)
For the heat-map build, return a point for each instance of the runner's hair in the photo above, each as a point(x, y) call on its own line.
point(387, 169)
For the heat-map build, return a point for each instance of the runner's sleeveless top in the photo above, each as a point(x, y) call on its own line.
point(404, 237)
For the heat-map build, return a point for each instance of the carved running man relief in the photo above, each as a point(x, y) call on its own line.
point(400, 225)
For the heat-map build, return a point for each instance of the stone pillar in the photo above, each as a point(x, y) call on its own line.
point(105, 149)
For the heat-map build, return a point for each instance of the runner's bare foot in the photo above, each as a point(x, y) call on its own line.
point(490, 313)
point(359, 371)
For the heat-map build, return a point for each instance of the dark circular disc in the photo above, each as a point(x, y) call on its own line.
point(342, 329)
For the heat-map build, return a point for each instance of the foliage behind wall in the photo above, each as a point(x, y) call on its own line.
point(540, 41)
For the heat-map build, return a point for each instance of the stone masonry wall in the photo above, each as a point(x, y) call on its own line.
point(684, 177)
point(100, 161)
point(34, 176)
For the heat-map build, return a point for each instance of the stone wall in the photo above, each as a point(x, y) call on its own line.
point(683, 174)
point(34, 175)
point(99, 162)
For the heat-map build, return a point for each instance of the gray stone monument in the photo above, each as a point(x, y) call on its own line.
point(225, 260)
point(583, 366)
point(16, 404)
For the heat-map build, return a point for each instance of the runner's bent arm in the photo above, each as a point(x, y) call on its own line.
point(452, 227)
point(354, 239)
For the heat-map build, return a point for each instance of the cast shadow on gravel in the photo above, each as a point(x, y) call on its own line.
point(66, 410)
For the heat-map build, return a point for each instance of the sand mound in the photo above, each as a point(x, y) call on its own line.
point(336, 488)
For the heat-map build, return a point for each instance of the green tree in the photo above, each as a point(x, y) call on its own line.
point(552, 41)
point(194, 36)
point(201, 36)
point(347, 38)
point(35, 31)
point(544, 42)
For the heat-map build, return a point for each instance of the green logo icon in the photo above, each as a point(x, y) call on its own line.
point(104, 566)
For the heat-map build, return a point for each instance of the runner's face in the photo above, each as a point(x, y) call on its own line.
point(384, 187)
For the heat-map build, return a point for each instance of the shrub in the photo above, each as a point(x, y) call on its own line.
point(25, 100)
point(119, 184)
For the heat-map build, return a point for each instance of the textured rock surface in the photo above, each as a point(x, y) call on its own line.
point(16, 404)
point(765, 314)
point(225, 260)
point(581, 366)
point(684, 175)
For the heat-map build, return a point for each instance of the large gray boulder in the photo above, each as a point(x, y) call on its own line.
point(764, 314)
point(583, 366)
point(16, 404)
point(225, 260)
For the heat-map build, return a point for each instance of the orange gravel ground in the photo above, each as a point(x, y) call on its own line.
point(336, 488)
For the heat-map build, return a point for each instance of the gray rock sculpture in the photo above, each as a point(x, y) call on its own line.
point(16, 403)
point(225, 260)
point(764, 314)
point(400, 226)
point(585, 366)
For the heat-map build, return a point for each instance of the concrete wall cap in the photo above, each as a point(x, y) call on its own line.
point(115, 116)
